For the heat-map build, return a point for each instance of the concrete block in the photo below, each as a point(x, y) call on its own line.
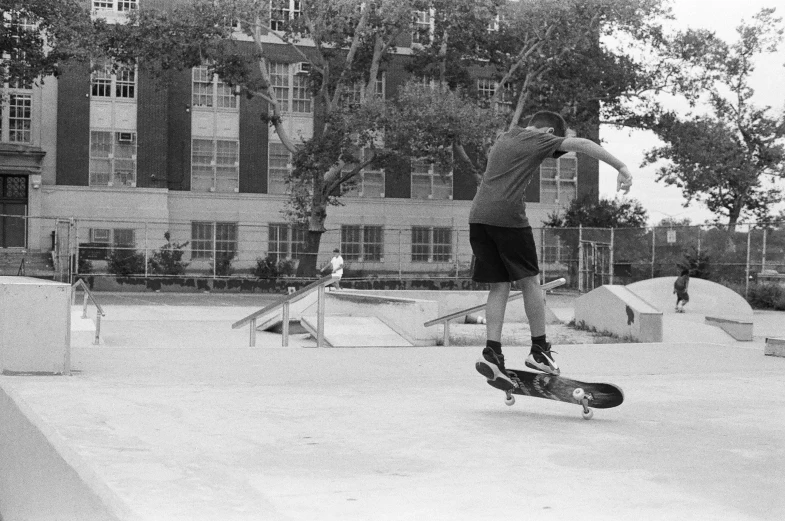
point(35, 326)
point(737, 328)
point(616, 310)
point(775, 347)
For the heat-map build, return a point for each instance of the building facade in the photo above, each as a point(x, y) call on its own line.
point(129, 157)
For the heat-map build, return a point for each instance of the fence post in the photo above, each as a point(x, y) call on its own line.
point(580, 258)
point(763, 254)
point(400, 255)
point(653, 244)
point(320, 316)
point(613, 236)
point(542, 254)
point(215, 257)
point(747, 268)
point(146, 259)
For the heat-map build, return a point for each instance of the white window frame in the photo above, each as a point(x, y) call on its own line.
point(290, 10)
point(114, 6)
point(292, 247)
point(363, 187)
point(433, 178)
point(431, 245)
point(221, 97)
point(102, 78)
point(362, 243)
point(222, 169)
point(557, 181)
point(122, 151)
point(276, 176)
point(421, 20)
point(216, 244)
point(486, 88)
point(290, 87)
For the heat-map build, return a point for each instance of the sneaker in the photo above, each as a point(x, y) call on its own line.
point(491, 366)
point(542, 359)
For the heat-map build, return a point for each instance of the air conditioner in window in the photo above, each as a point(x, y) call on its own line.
point(126, 137)
point(302, 68)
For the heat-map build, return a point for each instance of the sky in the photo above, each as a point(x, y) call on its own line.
point(661, 201)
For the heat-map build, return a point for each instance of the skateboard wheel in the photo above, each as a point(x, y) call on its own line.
point(510, 399)
point(587, 415)
point(578, 394)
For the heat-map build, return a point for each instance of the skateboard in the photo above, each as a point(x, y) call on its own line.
point(561, 389)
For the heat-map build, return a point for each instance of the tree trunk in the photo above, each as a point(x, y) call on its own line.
point(307, 266)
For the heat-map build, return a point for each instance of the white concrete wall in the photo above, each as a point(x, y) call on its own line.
point(40, 479)
point(35, 326)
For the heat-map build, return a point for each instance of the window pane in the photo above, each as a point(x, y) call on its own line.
point(442, 187)
point(225, 239)
point(226, 98)
point(124, 238)
point(350, 242)
point(373, 243)
point(201, 240)
point(548, 191)
point(278, 168)
point(20, 118)
point(279, 79)
point(301, 96)
point(101, 80)
point(202, 87)
point(420, 243)
point(125, 82)
point(278, 241)
point(442, 244)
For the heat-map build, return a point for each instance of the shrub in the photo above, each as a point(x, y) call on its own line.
point(222, 264)
point(126, 262)
point(168, 260)
point(270, 268)
point(766, 296)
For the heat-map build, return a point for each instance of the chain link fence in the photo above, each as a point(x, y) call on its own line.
point(586, 257)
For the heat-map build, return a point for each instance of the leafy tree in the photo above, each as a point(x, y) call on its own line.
point(39, 35)
point(352, 43)
point(605, 213)
point(168, 260)
point(729, 158)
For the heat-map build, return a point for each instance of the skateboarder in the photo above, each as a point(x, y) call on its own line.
point(335, 266)
point(502, 239)
point(680, 286)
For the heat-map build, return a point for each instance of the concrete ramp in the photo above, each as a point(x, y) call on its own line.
point(617, 310)
point(677, 327)
point(273, 320)
point(706, 297)
point(353, 331)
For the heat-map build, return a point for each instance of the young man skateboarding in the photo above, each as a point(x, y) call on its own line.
point(502, 239)
point(680, 289)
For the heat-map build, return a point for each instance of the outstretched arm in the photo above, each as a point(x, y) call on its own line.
point(592, 149)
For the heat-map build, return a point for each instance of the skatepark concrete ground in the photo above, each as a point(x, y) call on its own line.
point(174, 418)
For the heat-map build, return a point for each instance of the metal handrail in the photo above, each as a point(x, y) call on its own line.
point(284, 303)
point(452, 316)
point(100, 311)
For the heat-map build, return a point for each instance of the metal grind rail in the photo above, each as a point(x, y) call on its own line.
point(457, 314)
point(100, 312)
point(284, 303)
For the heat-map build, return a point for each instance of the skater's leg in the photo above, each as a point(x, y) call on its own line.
point(495, 310)
point(534, 305)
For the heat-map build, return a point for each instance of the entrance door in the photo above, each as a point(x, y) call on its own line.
point(596, 265)
point(13, 210)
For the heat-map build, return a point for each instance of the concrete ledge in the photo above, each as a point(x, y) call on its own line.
point(617, 310)
point(739, 329)
point(775, 347)
point(42, 479)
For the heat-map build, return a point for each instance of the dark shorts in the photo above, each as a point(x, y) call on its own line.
point(682, 295)
point(502, 254)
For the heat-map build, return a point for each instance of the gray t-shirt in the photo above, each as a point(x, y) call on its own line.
point(513, 160)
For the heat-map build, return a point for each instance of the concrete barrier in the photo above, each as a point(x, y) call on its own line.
point(775, 347)
point(739, 329)
point(35, 326)
point(616, 310)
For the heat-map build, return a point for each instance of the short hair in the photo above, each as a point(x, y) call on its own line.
point(546, 118)
point(685, 271)
point(336, 250)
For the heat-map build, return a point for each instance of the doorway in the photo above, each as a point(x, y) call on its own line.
point(13, 211)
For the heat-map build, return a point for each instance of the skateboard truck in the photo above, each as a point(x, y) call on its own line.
point(582, 398)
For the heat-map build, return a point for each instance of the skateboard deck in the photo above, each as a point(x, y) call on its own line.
point(541, 385)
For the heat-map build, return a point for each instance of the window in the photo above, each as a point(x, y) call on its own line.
point(279, 162)
point(213, 239)
point(290, 87)
point(558, 180)
point(354, 94)
point(431, 244)
point(112, 158)
point(114, 5)
point(282, 11)
point(486, 88)
point(362, 243)
point(422, 23)
point(16, 118)
point(215, 165)
point(368, 183)
point(208, 91)
point(428, 184)
point(113, 81)
point(285, 241)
